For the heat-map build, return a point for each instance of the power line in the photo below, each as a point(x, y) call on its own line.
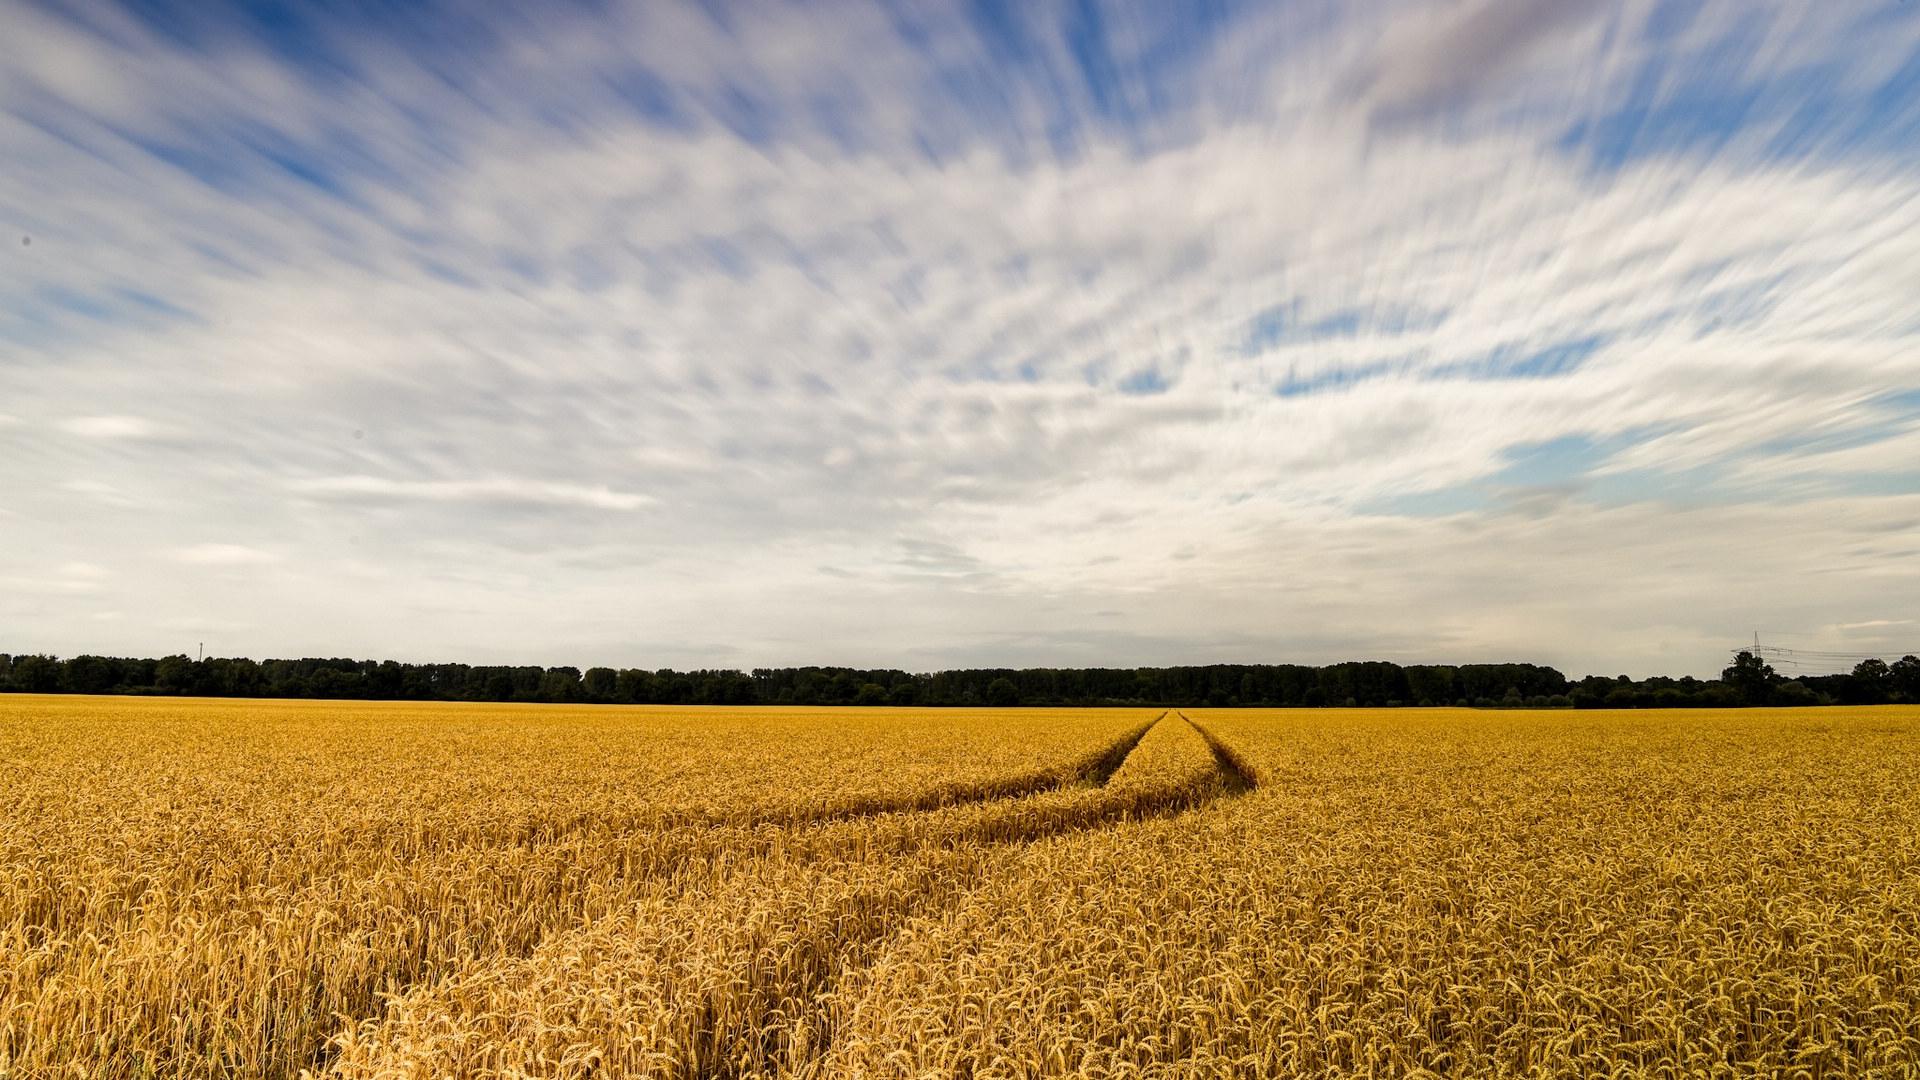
point(1817, 661)
point(1819, 654)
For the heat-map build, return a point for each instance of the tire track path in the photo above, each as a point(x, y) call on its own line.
point(724, 976)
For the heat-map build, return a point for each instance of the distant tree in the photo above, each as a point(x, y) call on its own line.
point(1145, 686)
point(173, 674)
point(36, 674)
point(1905, 673)
point(1716, 695)
point(1001, 692)
point(1750, 677)
point(1430, 682)
point(1795, 692)
point(1591, 692)
point(1366, 683)
point(333, 682)
point(386, 680)
point(841, 689)
point(600, 682)
point(1872, 681)
point(634, 685)
point(240, 677)
point(91, 674)
point(561, 684)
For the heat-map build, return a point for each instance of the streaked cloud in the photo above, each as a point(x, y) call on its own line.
point(108, 427)
point(61, 581)
point(1874, 624)
point(1429, 62)
point(904, 335)
point(496, 490)
point(223, 555)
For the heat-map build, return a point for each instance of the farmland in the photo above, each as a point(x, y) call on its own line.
point(197, 887)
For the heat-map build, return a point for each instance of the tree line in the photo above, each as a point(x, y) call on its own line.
point(1373, 684)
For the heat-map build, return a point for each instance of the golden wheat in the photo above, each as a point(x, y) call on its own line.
point(725, 974)
point(1506, 894)
point(205, 887)
point(379, 890)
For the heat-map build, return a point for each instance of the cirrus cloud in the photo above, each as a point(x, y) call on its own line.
point(1301, 334)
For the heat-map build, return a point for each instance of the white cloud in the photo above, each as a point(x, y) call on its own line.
point(224, 555)
point(189, 624)
point(102, 492)
point(494, 490)
point(835, 350)
point(108, 427)
point(51, 585)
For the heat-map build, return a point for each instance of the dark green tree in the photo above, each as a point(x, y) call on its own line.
point(173, 674)
point(600, 682)
point(561, 684)
point(1001, 692)
point(91, 674)
point(1750, 677)
point(1905, 674)
point(36, 674)
point(1795, 692)
point(1872, 681)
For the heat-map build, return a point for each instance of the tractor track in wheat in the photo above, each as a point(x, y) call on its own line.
point(1232, 779)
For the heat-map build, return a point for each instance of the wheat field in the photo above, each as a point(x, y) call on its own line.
point(194, 888)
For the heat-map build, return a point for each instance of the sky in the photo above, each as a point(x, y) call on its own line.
point(926, 335)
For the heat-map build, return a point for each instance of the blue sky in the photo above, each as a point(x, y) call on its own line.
point(927, 334)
